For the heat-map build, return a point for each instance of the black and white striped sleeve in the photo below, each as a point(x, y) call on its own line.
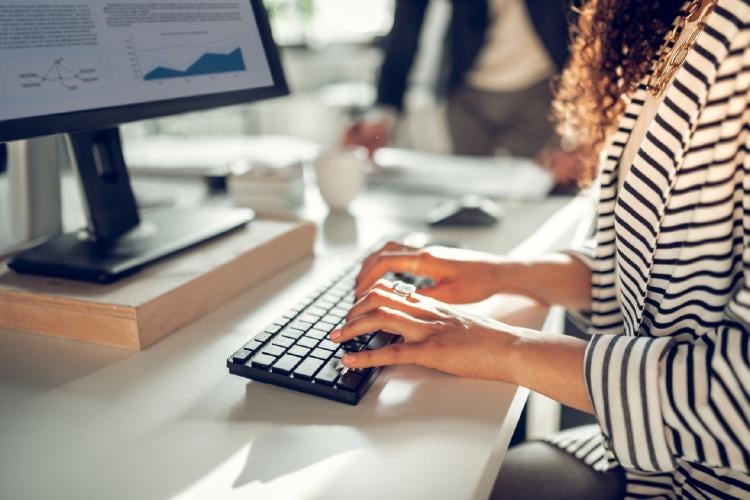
point(660, 399)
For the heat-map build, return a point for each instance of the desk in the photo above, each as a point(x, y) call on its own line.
point(79, 421)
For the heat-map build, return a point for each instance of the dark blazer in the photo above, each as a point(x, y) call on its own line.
point(466, 36)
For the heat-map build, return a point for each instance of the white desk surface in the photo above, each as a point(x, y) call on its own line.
point(79, 421)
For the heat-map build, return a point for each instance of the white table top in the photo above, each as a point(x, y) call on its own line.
point(79, 421)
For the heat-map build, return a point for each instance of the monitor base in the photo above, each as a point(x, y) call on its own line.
point(161, 233)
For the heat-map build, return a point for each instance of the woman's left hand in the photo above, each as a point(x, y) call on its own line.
point(436, 335)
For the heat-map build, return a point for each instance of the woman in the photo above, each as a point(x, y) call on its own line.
point(662, 90)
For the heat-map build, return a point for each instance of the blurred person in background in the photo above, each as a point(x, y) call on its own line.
point(501, 56)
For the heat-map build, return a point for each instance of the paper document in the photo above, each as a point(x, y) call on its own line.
point(493, 177)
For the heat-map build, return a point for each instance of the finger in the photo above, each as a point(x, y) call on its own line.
point(383, 319)
point(377, 298)
point(443, 292)
point(352, 136)
point(394, 354)
point(381, 284)
point(396, 262)
point(391, 246)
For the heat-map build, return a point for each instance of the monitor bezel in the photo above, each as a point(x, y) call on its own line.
point(78, 121)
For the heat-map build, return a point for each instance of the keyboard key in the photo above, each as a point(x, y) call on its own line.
point(307, 368)
point(307, 342)
point(352, 346)
point(317, 334)
point(320, 353)
point(340, 353)
point(300, 325)
point(334, 318)
point(273, 329)
point(349, 381)
point(365, 372)
point(262, 337)
point(331, 320)
point(347, 301)
point(253, 345)
point(329, 373)
point(336, 294)
point(309, 317)
point(325, 303)
point(241, 356)
point(263, 361)
point(300, 351)
point(317, 311)
point(340, 311)
point(273, 350)
point(329, 345)
point(380, 340)
point(291, 333)
point(286, 364)
point(282, 341)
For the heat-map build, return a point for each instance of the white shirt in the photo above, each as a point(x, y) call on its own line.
point(513, 58)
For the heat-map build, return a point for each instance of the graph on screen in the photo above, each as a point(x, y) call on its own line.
point(186, 61)
point(61, 73)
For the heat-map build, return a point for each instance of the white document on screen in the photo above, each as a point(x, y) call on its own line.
point(492, 177)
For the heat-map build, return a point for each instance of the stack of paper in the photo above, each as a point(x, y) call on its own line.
point(267, 188)
point(492, 177)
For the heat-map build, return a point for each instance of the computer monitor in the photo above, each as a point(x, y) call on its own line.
point(82, 67)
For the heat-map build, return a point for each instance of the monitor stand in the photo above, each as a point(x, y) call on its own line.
point(119, 240)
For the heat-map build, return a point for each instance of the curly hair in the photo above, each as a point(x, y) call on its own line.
point(613, 47)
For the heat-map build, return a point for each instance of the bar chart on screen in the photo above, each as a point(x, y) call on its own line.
point(176, 60)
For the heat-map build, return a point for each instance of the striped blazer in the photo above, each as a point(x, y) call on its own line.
point(668, 366)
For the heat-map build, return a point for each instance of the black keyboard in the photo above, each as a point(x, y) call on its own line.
point(295, 350)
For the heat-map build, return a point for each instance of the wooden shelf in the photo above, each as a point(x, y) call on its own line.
point(137, 311)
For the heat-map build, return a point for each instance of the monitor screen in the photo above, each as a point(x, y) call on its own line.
point(83, 64)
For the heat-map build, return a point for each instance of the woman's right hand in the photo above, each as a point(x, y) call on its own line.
point(459, 276)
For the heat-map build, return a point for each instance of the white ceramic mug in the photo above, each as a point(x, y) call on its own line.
point(340, 175)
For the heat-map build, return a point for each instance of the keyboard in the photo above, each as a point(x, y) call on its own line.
point(295, 351)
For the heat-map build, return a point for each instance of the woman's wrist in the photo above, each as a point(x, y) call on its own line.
point(510, 276)
point(550, 364)
point(516, 348)
point(553, 279)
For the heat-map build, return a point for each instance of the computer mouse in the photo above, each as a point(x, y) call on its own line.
point(467, 211)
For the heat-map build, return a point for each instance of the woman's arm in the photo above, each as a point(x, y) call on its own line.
point(446, 338)
point(558, 279)
point(551, 364)
point(463, 276)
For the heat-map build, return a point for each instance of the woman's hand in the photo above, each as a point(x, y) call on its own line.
point(459, 276)
point(436, 335)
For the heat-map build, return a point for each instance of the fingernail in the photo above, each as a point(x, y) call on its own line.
point(336, 334)
point(348, 359)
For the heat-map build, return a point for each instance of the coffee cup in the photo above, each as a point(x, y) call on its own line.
point(340, 174)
